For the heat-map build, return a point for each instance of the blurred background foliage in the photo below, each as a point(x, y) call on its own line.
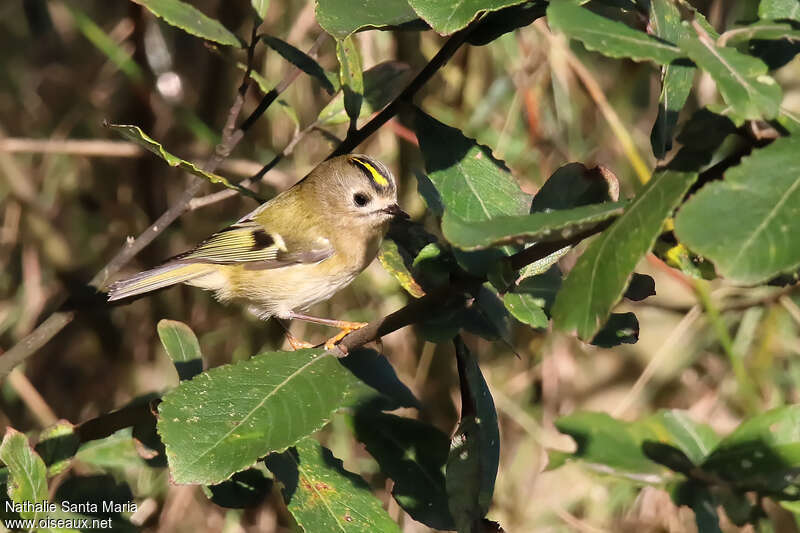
point(66, 208)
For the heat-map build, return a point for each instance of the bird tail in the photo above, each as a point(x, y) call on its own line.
point(157, 278)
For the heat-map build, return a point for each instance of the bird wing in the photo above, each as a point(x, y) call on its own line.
point(250, 243)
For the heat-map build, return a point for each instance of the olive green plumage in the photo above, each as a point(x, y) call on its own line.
point(293, 251)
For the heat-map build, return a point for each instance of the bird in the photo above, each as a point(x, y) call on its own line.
point(293, 251)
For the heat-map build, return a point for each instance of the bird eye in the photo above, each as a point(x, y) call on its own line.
point(361, 199)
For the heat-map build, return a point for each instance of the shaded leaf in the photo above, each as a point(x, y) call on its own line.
point(376, 374)
point(382, 83)
point(621, 328)
point(531, 299)
point(191, 20)
point(182, 347)
point(413, 454)
point(676, 77)
point(247, 488)
point(447, 17)
point(323, 496)
point(303, 61)
point(762, 454)
point(698, 497)
point(351, 77)
point(539, 227)
point(340, 18)
point(574, 185)
point(223, 420)
point(640, 287)
point(598, 280)
point(57, 446)
point(609, 37)
point(505, 20)
point(27, 473)
point(763, 194)
point(475, 446)
point(742, 80)
point(136, 135)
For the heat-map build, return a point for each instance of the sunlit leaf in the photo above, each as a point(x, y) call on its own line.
point(323, 496)
point(762, 194)
point(191, 20)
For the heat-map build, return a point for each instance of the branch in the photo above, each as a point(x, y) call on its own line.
point(230, 138)
point(356, 137)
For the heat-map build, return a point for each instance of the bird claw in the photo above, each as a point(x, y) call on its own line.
point(347, 329)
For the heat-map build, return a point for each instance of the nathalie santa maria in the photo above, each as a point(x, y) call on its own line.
point(44, 506)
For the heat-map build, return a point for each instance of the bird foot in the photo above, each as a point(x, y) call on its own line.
point(297, 344)
point(346, 329)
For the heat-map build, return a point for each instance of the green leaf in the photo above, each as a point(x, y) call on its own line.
point(323, 496)
point(598, 280)
point(260, 7)
point(27, 473)
point(612, 446)
point(376, 374)
point(191, 20)
point(762, 193)
point(448, 17)
point(301, 60)
point(57, 446)
point(467, 182)
point(182, 347)
point(530, 301)
point(677, 429)
point(574, 185)
point(116, 452)
point(508, 19)
point(676, 77)
point(539, 227)
point(698, 497)
point(351, 77)
point(761, 30)
point(393, 261)
point(762, 454)
point(224, 419)
point(340, 18)
point(741, 79)
point(609, 37)
point(470, 183)
point(779, 9)
point(475, 446)
point(382, 83)
point(413, 454)
point(136, 135)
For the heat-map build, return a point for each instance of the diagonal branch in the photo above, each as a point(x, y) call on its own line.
point(232, 135)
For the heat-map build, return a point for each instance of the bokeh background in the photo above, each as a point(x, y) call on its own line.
point(66, 207)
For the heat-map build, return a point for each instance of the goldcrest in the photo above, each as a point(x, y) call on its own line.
point(297, 249)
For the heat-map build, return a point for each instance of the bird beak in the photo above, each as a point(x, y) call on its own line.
point(395, 211)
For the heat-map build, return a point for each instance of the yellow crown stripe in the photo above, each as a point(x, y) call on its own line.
point(377, 177)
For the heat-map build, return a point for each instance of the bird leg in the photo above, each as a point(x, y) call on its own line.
point(294, 342)
point(345, 327)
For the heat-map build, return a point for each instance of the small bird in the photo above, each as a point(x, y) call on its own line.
point(297, 249)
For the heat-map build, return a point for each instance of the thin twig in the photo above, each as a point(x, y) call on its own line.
point(356, 137)
point(230, 138)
